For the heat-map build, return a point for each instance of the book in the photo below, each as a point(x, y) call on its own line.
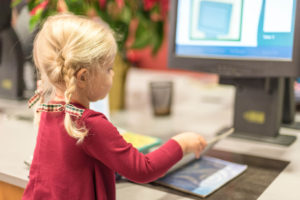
point(203, 176)
point(142, 142)
point(210, 143)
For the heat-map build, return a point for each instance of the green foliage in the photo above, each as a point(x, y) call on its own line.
point(117, 13)
point(142, 35)
point(15, 2)
point(35, 19)
point(77, 7)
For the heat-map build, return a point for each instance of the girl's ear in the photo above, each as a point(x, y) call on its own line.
point(82, 77)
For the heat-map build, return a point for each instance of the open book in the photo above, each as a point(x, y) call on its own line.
point(210, 143)
point(203, 176)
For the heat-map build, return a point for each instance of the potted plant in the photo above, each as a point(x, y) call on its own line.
point(137, 24)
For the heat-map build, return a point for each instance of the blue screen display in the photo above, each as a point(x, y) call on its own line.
point(214, 18)
point(235, 29)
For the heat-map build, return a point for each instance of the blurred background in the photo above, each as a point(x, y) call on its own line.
point(147, 97)
point(141, 29)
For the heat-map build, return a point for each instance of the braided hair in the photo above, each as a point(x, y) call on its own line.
point(65, 44)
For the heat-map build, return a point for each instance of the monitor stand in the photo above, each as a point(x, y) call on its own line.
point(258, 109)
point(289, 105)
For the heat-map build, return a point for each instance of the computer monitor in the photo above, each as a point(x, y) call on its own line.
point(253, 44)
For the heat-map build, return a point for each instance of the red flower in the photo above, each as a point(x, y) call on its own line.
point(120, 3)
point(164, 4)
point(41, 6)
point(132, 56)
point(102, 3)
point(148, 4)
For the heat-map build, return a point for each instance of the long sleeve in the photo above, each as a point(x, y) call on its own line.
point(105, 144)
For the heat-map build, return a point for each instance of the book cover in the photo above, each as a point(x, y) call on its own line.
point(203, 176)
point(142, 142)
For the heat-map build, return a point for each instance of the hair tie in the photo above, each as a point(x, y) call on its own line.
point(69, 108)
point(35, 98)
point(50, 107)
point(74, 111)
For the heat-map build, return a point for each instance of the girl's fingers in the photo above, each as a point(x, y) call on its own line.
point(200, 147)
point(203, 141)
point(197, 154)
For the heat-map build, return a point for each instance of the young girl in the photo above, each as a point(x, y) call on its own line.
point(78, 150)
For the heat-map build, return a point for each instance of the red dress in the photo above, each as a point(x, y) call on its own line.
point(62, 169)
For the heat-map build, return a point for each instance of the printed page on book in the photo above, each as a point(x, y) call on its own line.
point(203, 176)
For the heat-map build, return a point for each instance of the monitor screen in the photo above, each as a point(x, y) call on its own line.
point(210, 31)
point(253, 44)
point(243, 29)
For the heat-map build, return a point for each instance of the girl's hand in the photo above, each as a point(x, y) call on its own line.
point(191, 142)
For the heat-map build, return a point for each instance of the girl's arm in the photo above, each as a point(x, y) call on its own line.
point(105, 144)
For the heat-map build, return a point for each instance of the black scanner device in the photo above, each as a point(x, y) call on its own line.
point(11, 57)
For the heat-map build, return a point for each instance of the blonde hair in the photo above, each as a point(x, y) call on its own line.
point(65, 44)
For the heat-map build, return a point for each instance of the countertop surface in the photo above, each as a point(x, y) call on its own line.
point(211, 111)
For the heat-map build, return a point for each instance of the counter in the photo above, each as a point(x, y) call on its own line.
point(206, 113)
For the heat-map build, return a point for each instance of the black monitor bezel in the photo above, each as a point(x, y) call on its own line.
point(235, 67)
